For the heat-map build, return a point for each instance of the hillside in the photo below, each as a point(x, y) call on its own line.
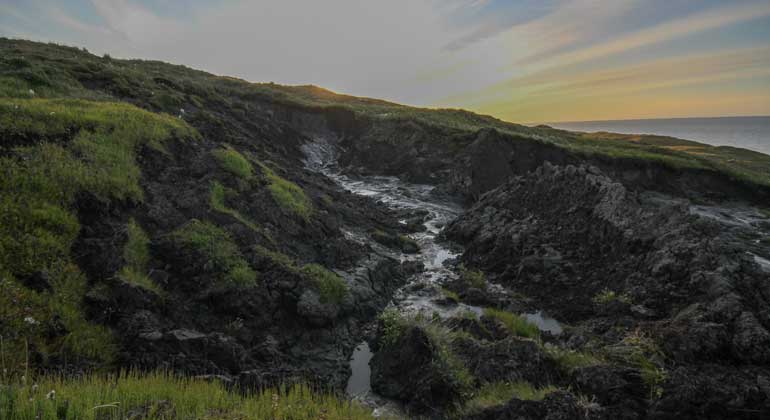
point(159, 221)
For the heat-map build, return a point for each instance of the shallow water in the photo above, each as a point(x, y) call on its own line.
point(544, 322)
point(359, 382)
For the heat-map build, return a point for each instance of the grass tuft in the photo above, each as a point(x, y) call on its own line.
point(515, 324)
point(499, 393)
point(331, 287)
point(569, 360)
point(137, 255)
point(287, 194)
point(234, 162)
point(607, 296)
point(473, 278)
point(219, 255)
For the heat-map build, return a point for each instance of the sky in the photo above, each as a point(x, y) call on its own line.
point(520, 60)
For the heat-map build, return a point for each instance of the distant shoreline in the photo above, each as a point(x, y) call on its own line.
point(551, 123)
point(746, 132)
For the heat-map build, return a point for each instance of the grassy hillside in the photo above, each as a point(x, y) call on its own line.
point(55, 71)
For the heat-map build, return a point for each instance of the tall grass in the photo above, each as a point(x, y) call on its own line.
point(163, 395)
point(136, 254)
point(515, 324)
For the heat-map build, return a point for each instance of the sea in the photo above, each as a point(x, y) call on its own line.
point(745, 132)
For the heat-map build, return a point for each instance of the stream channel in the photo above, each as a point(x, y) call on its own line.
point(422, 293)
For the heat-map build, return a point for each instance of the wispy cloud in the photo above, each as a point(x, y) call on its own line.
point(524, 60)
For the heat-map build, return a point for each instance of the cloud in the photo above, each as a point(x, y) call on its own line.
point(516, 60)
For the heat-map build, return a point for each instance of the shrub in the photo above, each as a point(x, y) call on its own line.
point(606, 296)
point(515, 324)
point(287, 194)
point(234, 162)
point(219, 253)
point(331, 287)
point(393, 325)
point(164, 395)
point(473, 278)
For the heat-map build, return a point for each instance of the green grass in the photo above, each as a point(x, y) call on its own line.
point(162, 395)
point(217, 197)
point(639, 350)
point(499, 393)
point(331, 287)
point(568, 360)
point(232, 161)
point(287, 194)
point(473, 278)
point(515, 324)
point(450, 295)
point(136, 254)
point(606, 296)
point(394, 325)
point(218, 254)
point(42, 173)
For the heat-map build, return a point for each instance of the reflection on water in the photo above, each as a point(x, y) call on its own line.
point(544, 323)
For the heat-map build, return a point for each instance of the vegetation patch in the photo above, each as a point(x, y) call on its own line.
point(136, 254)
point(570, 360)
point(394, 325)
point(515, 324)
point(165, 396)
point(607, 296)
point(642, 352)
point(56, 150)
point(499, 393)
point(219, 255)
point(473, 278)
point(287, 194)
point(217, 198)
point(331, 287)
point(234, 162)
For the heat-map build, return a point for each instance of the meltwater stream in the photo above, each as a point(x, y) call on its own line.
point(423, 292)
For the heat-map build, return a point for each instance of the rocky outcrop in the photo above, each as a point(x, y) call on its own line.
point(613, 261)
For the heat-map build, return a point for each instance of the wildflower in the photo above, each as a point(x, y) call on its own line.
point(51, 395)
point(31, 321)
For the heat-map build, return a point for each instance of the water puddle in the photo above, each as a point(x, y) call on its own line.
point(544, 322)
point(359, 383)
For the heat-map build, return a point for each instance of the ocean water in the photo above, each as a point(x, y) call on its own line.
point(746, 132)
